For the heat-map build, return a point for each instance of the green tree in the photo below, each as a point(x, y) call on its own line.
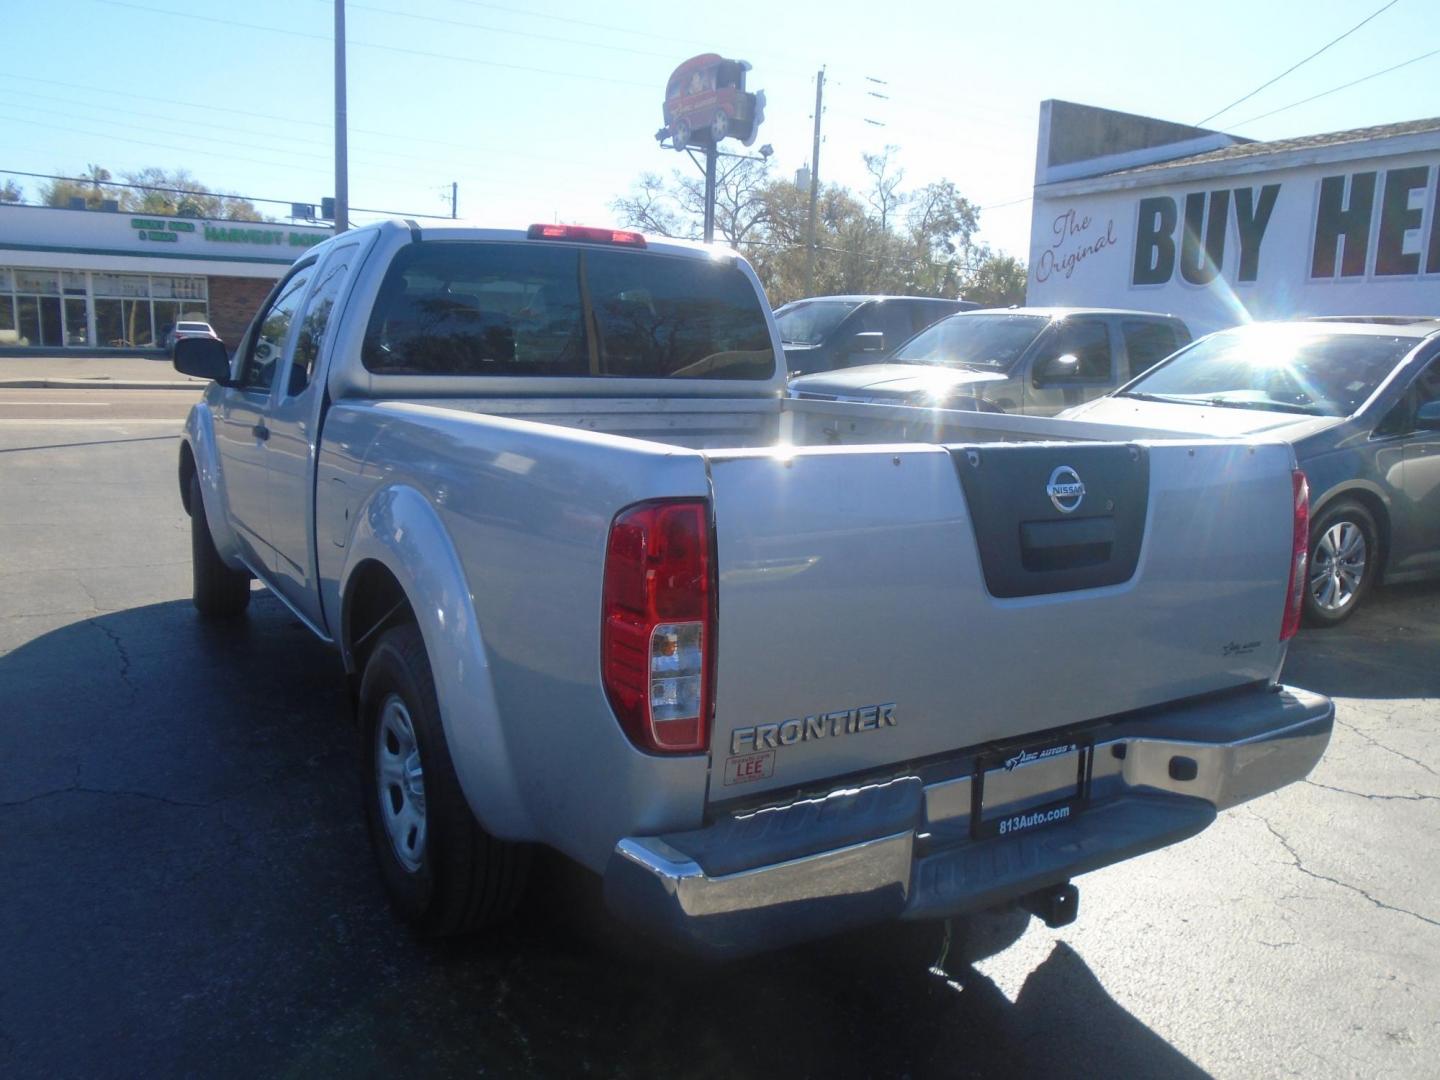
point(11, 193)
point(886, 240)
point(156, 191)
point(91, 188)
point(997, 280)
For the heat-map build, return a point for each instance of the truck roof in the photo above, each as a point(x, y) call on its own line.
point(461, 229)
point(1067, 312)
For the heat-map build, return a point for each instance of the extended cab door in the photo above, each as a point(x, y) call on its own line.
point(1071, 364)
point(294, 429)
point(241, 431)
point(1416, 525)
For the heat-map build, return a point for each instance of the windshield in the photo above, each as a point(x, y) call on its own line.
point(1278, 367)
point(989, 341)
point(543, 309)
point(193, 327)
point(806, 322)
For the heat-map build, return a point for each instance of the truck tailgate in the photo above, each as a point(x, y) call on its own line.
point(882, 605)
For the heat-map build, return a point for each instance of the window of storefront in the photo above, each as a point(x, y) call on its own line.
point(9, 335)
point(77, 308)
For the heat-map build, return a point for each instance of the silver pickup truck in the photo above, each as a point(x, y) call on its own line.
point(772, 667)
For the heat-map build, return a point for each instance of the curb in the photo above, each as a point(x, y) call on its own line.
point(99, 384)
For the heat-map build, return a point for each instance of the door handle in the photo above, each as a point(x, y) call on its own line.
point(260, 431)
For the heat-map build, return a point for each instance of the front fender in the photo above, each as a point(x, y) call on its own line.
point(199, 436)
point(399, 528)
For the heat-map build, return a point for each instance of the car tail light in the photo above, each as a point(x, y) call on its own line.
point(1299, 552)
point(586, 234)
point(658, 638)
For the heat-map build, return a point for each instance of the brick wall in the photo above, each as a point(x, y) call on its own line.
point(233, 303)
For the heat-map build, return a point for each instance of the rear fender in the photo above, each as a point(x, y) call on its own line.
point(400, 529)
point(199, 436)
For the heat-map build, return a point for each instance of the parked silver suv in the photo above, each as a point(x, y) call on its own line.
point(1028, 360)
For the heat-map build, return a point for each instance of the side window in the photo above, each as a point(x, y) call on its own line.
point(1088, 340)
point(1426, 388)
point(923, 314)
point(316, 319)
point(258, 371)
point(1147, 343)
point(899, 322)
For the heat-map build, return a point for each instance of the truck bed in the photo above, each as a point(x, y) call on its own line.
point(872, 556)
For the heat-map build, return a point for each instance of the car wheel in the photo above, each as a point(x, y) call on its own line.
point(1344, 557)
point(680, 137)
point(219, 592)
point(442, 871)
point(720, 126)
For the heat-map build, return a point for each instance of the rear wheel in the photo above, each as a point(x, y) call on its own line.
point(1344, 557)
point(219, 592)
point(444, 873)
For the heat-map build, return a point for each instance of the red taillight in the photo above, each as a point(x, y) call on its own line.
point(658, 638)
point(1299, 551)
point(586, 234)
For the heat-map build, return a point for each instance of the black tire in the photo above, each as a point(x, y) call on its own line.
point(457, 878)
point(219, 593)
point(1331, 593)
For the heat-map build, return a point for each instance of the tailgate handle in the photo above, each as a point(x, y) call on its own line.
point(1066, 545)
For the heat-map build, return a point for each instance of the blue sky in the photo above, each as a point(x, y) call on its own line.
point(547, 109)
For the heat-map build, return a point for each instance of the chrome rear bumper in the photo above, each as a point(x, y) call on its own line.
point(904, 847)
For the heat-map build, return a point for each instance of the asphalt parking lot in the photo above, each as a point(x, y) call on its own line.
point(186, 885)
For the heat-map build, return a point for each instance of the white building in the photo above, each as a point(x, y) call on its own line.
point(100, 279)
point(1141, 213)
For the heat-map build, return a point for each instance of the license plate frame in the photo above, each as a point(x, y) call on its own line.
point(1004, 774)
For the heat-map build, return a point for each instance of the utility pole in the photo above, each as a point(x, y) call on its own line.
point(342, 170)
point(814, 185)
point(454, 197)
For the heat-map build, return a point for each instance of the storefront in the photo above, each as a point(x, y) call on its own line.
point(87, 279)
point(1140, 213)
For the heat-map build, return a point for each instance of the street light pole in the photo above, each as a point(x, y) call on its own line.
point(712, 154)
point(342, 171)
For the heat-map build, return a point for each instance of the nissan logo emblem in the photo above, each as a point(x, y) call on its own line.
point(1065, 489)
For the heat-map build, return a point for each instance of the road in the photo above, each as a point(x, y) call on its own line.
point(187, 886)
point(68, 408)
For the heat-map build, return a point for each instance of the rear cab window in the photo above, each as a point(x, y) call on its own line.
point(553, 310)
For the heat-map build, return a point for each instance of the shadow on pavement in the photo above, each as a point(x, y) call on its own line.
point(189, 889)
point(1387, 649)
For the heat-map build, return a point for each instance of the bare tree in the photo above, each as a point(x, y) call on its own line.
point(741, 210)
point(884, 195)
point(651, 207)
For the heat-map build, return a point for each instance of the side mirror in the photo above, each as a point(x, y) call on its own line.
point(205, 358)
point(869, 341)
point(1056, 367)
point(1427, 416)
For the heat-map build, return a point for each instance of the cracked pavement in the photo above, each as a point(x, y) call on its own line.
point(188, 889)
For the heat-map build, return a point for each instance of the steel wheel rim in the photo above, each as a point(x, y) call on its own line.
point(400, 782)
point(1337, 566)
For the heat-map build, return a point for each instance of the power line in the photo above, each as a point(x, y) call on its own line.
point(495, 29)
point(192, 191)
point(372, 45)
point(1344, 86)
point(303, 140)
point(611, 27)
point(1381, 10)
point(594, 164)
